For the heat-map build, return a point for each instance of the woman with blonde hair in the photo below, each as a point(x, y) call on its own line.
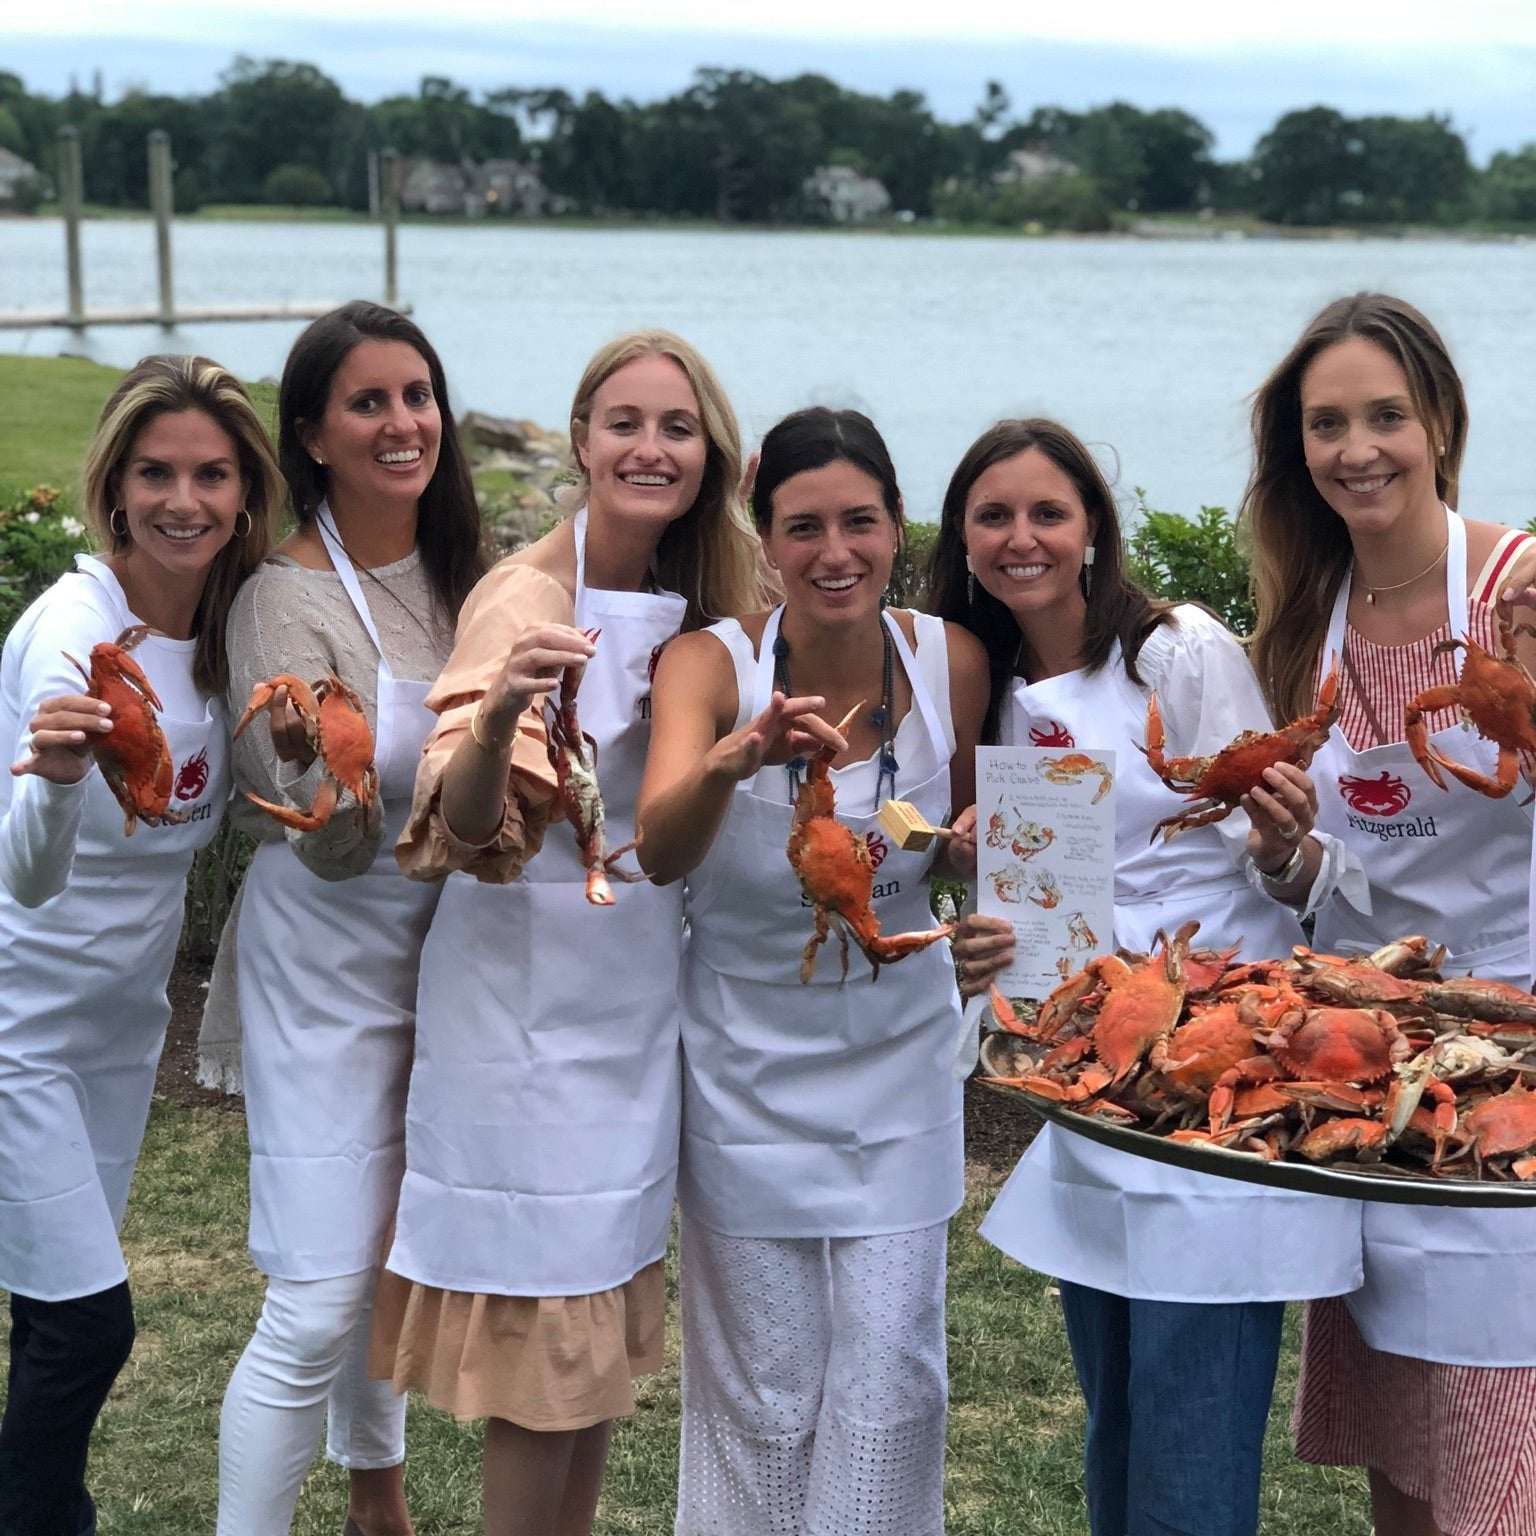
point(182, 494)
point(524, 1285)
point(1358, 439)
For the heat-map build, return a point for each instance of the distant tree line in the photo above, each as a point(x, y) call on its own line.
point(737, 146)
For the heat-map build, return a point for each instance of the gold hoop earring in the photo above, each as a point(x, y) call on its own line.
point(113, 518)
point(250, 522)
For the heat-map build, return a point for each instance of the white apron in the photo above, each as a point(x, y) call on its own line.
point(1454, 1286)
point(327, 990)
point(543, 1117)
point(83, 1007)
point(1099, 1217)
point(826, 1109)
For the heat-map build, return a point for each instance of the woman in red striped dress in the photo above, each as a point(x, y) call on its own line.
point(1427, 1374)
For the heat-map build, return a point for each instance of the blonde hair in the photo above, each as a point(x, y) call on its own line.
point(167, 384)
point(1301, 547)
point(711, 554)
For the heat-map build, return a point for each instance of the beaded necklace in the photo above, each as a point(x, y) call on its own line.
point(881, 718)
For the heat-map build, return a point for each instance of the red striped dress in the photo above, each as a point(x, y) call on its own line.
point(1461, 1438)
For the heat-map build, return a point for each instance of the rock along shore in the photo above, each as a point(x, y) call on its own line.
point(518, 468)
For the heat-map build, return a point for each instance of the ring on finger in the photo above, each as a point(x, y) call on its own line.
point(1290, 833)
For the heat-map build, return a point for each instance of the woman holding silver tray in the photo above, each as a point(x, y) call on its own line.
point(1173, 1282)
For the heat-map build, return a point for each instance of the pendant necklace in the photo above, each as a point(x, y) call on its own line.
point(881, 718)
point(1371, 592)
point(434, 640)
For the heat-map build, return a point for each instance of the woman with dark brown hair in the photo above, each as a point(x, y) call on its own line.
point(1173, 1283)
point(329, 931)
point(822, 1153)
point(1358, 440)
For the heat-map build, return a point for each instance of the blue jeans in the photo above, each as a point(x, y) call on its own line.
point(1178, 1395)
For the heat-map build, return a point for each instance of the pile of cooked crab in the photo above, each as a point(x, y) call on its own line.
point(1371, 1060)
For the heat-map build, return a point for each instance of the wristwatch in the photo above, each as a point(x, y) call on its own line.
point(1288, 871)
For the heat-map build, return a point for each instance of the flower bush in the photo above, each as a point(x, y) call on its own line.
point(39, 539)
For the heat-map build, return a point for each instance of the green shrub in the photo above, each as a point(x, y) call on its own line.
point(1193, 559)
point(39, 539)
point(297, 186)
point(909, 579)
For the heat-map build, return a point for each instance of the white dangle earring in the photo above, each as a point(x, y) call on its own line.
point(1088, 555)
point(970, 582)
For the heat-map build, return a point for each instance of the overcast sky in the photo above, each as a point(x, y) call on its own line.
point(1236, 65)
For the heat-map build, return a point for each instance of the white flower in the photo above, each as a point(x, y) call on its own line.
point(72, 526)
point(32, 517)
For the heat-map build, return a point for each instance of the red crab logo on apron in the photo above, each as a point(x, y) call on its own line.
point(878, 848)
point(1052, 734)
point(192, 779)
point(1384, 796)
point(650, 666)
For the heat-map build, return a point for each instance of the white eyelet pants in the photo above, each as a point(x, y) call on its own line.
point(814, 1385)
point(306, 1363)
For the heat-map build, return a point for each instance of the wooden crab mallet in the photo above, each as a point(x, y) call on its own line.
point(907, 828)
point(337, 731)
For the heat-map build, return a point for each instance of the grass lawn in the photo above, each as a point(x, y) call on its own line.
point(1015, 1425)
point(1016, 1418)
point(51, 404)
point(50, 408)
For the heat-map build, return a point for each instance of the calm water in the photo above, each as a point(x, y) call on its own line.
point(1151, 347)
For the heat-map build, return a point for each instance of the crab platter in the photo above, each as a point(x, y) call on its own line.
point(1373, 1076)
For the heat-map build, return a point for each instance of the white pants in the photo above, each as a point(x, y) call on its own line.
point(307, 1361)
point(814, 1385)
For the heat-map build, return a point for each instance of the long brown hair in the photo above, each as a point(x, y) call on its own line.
point(448, 516)
point(1301, 548)
point(164, 385)
point(1117, 608)
point(710, 555)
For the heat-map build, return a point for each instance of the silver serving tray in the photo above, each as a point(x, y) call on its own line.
point(1003, 1055)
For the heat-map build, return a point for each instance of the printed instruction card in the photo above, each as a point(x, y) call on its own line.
point(1045, 821)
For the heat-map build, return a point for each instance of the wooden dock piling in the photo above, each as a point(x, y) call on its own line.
point(162, 205)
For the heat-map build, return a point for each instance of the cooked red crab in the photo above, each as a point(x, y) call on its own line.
point(135, 759)
point(1216, 783)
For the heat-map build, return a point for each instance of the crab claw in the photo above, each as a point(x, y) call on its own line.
point(1003, 1014)
point(263, 694)
point(885, 948)
point(320, 811)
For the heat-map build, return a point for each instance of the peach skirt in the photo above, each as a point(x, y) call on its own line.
point(543, 1362)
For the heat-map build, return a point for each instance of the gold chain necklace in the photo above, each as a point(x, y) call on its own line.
point(1371, 592)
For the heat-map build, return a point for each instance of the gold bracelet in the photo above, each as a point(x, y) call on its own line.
point(480, 741)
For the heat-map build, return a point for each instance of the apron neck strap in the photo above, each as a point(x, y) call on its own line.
point(325, 521)
point(579, 532)
point(922, 700)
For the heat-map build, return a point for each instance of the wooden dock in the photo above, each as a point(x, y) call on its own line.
point(184, 314)
point(167, 313)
